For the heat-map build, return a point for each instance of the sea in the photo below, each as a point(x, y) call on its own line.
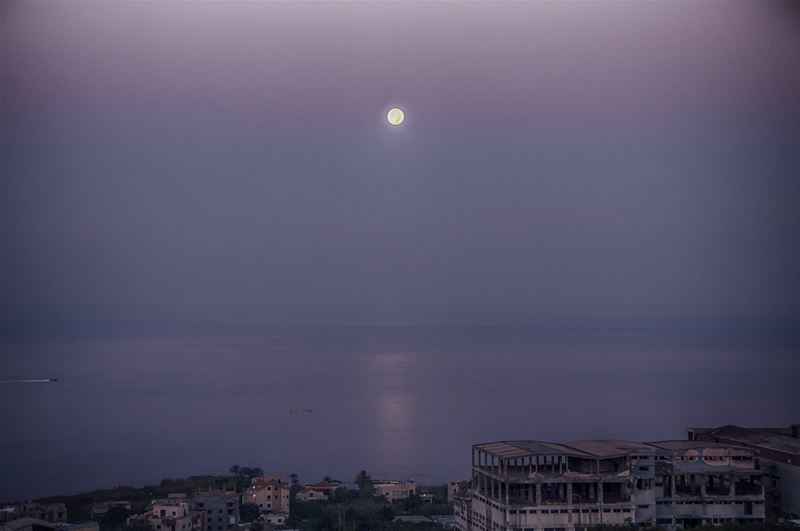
point(402, 402)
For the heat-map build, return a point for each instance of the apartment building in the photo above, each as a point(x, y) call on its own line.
point(269, 493)
point(221, 509)
point(543, 486)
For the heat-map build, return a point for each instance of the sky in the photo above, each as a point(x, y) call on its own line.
point(212, 163)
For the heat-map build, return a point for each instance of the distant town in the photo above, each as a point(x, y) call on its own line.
point(726, 477)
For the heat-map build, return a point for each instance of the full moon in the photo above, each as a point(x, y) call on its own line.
point(395, 116)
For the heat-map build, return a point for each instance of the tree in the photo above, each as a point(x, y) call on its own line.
point(387, 513)
point(364, 482)
point(327, 479)
point(249, 512)
point(234, 470)
point(293, 478)
point(117, 515)
point(341, 495)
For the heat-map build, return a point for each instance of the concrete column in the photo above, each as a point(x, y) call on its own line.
point(672, 486)
point(569, 493)
point(600, 493)
point(538, 494)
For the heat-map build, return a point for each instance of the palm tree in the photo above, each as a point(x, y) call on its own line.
point(364, 483)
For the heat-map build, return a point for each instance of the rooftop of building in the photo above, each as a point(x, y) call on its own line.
point(514, 449)
point(680, 445)
point(174, 502)
point(323, 485)
point(261, 482)
point(610, 447)
point(591, 448)
point(776, 439)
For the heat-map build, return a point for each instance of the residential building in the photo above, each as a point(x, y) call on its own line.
point(54, 513)
point(269, 493)
point(221, 509)
point(778, 452)
point(395, 490)
point(542, 486)
point(454, 488)
point(317, 492)
point(171, 515)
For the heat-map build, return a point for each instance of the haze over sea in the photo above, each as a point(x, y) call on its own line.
point(399, 401)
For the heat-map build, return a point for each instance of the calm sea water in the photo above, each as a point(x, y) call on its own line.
point(400, 402)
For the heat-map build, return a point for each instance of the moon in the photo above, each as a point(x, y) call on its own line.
point(395, 116)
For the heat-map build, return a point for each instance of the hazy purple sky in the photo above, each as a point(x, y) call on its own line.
point(219, 161)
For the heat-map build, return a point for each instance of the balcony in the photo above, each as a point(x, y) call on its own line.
point(616, 498)
point(687, 490)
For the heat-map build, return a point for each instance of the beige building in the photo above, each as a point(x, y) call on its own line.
point(395, 490)
point(269, 493)
point(171, 515)
point(317, 492)
point(541, 486)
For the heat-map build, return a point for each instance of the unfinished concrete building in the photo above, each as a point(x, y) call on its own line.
point(778, 451)
point(541, 486)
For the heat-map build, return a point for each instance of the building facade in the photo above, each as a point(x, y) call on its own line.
point(269, 493)
point(171, 515)
point(541, 486)
point(221, 509)
point(395, 490)
point(778, 452)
